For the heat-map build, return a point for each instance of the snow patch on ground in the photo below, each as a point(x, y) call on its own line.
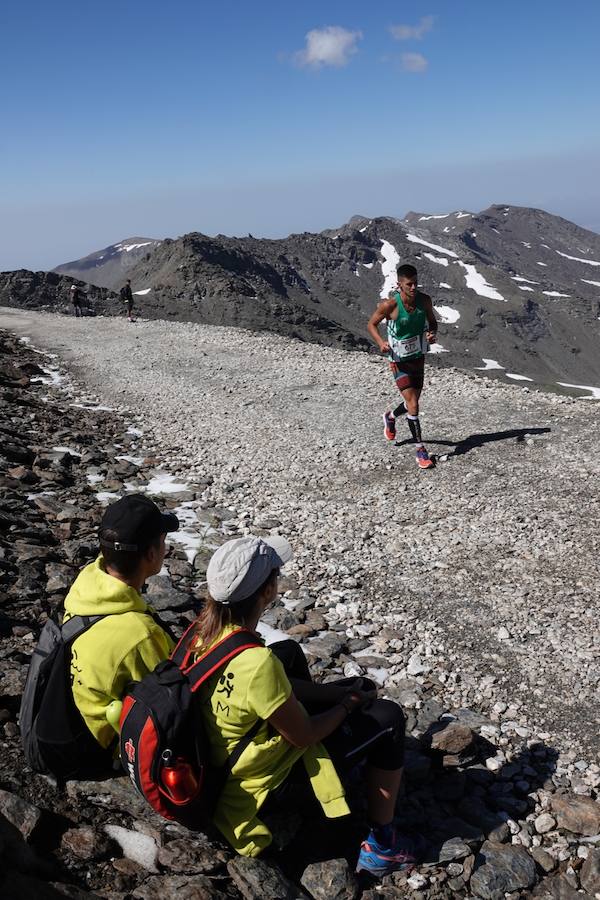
point(526, 280)
point(391, 261)
point(588, 262)
point(518, 377)
point(416, 240)
point(138, 432)
point(462, 215)
point(477, 283)
point(426, 218)
point(368, 265)
point(489, 364)
point(143, 292)
point(594, 391)
point(437, 348)
point(523, 287)
point(52, 377)
point(545, 265)
point(555, 294)
point(444, 284)
point(586, 281)
point(162, 483)
point(447, 314)
point(67, 450)
point(95, 479)
point(436, 259)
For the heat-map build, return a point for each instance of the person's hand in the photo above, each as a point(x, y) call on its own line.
point(384, 347)
point(432, 337)
point(356, 698)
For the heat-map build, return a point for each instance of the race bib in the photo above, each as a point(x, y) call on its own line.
point(407, 347)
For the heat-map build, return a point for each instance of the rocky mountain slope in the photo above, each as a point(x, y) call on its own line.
point(110, 266)
point(517, 290)
point(468, 593)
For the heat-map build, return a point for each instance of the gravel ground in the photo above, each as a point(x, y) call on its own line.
point(481, 574)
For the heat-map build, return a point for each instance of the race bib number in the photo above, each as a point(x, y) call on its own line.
point(407, 347)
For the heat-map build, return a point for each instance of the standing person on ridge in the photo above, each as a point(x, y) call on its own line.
point(127, 297)
point(76, 300)
point(411, 323)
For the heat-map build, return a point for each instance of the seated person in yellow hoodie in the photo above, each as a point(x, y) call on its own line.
point(330, 727)
point(127, 643)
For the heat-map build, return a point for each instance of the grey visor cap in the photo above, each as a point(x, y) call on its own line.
point(239, 567)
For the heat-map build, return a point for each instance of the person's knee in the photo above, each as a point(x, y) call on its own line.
point(390, 716)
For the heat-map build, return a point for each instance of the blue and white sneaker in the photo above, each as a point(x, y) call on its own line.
point(391, 852)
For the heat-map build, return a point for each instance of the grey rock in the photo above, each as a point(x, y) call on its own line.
point(501, 869)
point(191, 856)
point(19, 812)
point(581, 815)
point(330, 880)
point(85, 842)
point(453, 849)
point(590, 872)
point(179, 887)
point(254, 878)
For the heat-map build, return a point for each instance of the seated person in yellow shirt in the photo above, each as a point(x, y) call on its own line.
point(273, 684)
point(127, 643)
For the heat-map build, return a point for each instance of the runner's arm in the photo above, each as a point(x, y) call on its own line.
point(383, 311)
point(431, 319)
point(301, 730)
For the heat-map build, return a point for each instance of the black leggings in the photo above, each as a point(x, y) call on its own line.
point(374, 734)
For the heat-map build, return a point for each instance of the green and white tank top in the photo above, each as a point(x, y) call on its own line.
point(406, 334)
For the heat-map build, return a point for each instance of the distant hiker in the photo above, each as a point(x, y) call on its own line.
point(127, 642)
point(127, 297)
point(314, 732)
point(76, 298)
point(411, 323)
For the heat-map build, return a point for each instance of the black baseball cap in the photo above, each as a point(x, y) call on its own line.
point(136, 521)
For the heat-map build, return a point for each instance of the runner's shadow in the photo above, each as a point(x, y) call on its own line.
point(478, 440)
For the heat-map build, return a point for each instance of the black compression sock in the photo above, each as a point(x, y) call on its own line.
point(399, 411)
point(415, 428)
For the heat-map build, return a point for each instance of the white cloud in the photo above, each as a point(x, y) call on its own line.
point(414, 62)
point(329, 46)
point(412, 32)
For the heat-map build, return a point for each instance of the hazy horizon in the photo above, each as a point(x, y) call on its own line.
point(274, 122)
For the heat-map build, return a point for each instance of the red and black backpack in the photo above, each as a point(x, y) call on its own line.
point(163, 743)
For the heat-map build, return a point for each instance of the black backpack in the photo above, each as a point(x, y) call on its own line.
point(163, 744)
point(55, 738)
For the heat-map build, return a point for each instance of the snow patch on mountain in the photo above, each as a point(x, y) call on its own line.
point(391, 261)
point(594, 391)
point(127, 248)
point(426, 218)
point(520, 278)
point(477, 283)
point(143, 292)
point(587, 281)
point(489, 364)
point(555, 294)
point(588, 262)
point(518, 377)
point(417, 240)
point(447, 314)
point(436, 259)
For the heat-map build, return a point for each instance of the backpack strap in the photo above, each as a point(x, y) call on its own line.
point(219, 655)
point(181, 652)
point(76, 625)
point(211, 662)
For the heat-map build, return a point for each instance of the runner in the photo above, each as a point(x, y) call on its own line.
point(408, 313)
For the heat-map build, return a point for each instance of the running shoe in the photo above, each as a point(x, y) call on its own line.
point(379, 860)
point(389, 427)
point(423, 459)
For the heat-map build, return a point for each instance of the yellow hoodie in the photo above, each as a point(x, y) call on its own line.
point(121, 648)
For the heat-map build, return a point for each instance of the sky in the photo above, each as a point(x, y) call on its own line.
point(154, 119)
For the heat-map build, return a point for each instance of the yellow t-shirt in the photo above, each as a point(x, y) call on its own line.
point(254, 685)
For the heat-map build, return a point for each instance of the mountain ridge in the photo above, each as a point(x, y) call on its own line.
point(516, 288)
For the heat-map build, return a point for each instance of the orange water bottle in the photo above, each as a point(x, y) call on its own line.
point(179, 778)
